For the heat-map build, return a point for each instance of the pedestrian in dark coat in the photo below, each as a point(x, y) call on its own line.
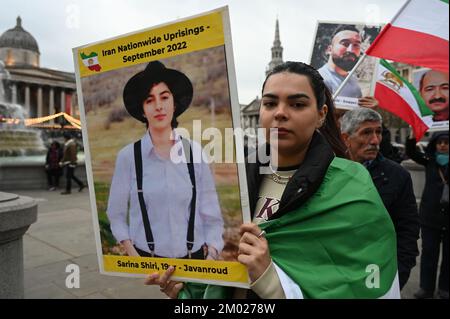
point(52, 168)
point(434, 217)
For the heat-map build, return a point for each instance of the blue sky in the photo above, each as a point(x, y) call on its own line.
point(58, 26)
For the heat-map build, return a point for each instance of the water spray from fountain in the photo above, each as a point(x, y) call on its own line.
point(15, 138)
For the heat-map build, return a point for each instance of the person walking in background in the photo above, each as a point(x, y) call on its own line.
point(434, 217)
point(362, 133)
point(69, 160)
point(52, 168)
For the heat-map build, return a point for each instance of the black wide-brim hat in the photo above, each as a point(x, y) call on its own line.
point(137, 89)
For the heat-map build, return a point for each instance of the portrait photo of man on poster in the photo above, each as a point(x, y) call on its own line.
point(337, 49)
point(433, 88)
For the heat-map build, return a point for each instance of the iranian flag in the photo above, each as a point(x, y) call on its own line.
point(399, 97)
point(91, 61)
point(417, 35)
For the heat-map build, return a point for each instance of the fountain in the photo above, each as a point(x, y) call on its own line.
point(15, 138)
point(22, 150)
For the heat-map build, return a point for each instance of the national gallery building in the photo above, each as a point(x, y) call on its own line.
point(40, 91)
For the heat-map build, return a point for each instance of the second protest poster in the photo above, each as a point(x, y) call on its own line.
point(158, 108)
point(337, 48)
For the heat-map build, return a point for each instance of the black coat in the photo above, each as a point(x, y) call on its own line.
point(303, 184)
point(431, 213)
point(387, 149)
point(394, 185)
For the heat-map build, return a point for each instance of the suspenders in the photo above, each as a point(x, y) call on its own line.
point(148, 231)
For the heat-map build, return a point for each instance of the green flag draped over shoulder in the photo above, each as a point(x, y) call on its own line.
point(328, 244)
point(333, 244)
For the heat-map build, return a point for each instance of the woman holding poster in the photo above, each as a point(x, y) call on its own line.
point(329, 236)
point(163, 201)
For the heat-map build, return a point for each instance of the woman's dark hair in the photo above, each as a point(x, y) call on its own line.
point(323, 96)
point(57, 145)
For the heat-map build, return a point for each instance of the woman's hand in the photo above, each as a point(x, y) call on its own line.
point(129, 248)
point(253, 250)
point(167, 286)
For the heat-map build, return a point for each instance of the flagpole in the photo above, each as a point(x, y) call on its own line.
point(374, 77)
point(400, 11)
point(339, 89)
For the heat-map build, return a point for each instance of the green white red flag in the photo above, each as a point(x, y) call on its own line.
point(91, 61)
point(417, 35)
point(397, 96)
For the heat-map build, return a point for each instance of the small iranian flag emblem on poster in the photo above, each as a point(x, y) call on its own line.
point(91, 61)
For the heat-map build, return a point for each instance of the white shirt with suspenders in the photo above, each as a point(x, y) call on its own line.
point(167, 194)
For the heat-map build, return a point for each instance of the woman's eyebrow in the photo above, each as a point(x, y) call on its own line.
point(270, 96)
point(160, 93)
point(298, 96)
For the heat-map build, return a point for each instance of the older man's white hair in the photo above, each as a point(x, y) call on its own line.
point(352, 120)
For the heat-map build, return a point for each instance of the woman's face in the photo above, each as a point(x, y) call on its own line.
point(442, 145)
point(289, 104)
point(159, 106)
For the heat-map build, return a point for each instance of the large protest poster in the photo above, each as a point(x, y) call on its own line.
point(337, 48)
point(433, 88)
point(133, 87)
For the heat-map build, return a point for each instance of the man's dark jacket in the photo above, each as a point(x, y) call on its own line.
point(394, 185)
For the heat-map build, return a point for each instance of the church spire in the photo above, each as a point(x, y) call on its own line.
point(277, 50)
point(277, 42)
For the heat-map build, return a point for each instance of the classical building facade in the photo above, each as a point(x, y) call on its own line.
point(250, 112)
point(40, 91)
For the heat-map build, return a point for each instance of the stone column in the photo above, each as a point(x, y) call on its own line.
point(51, 109)
point(63, 101)
point(14, 93)
point(39, 102)
point(72, 105)
point(68, 99)
point(17, 213)
point(27, 100)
